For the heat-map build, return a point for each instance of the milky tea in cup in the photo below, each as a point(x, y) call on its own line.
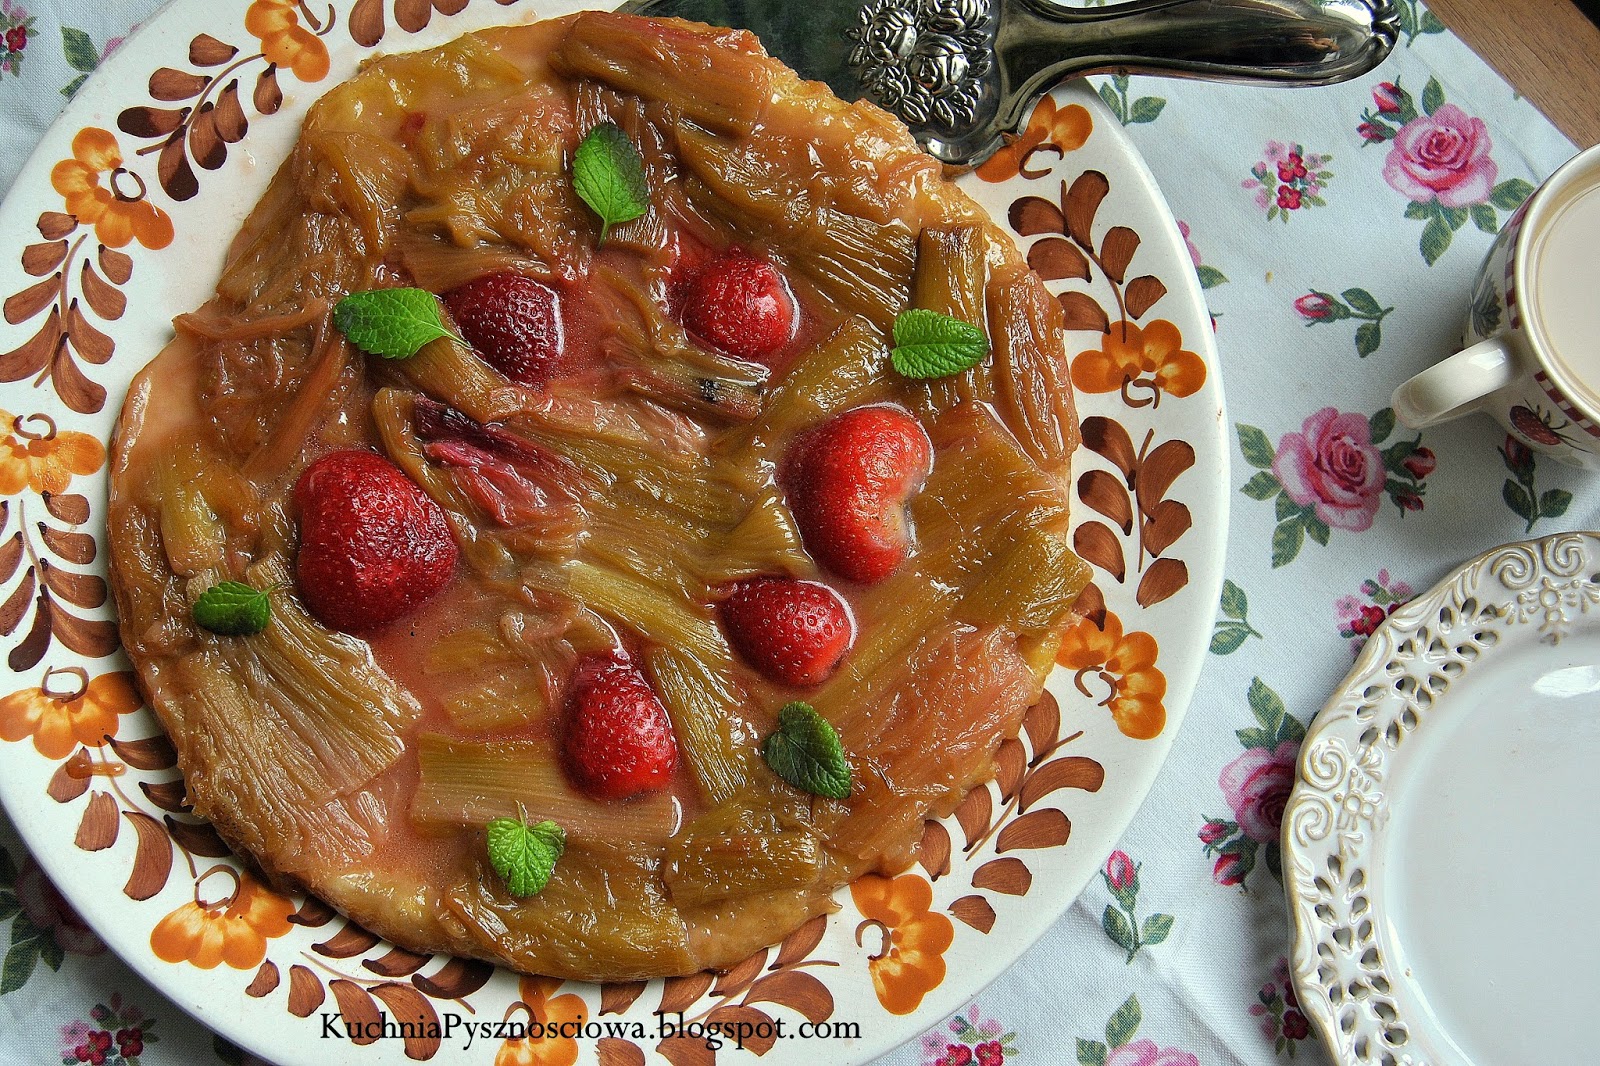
point(1532, 355)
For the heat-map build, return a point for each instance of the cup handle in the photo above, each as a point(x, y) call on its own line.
point(1452, 388)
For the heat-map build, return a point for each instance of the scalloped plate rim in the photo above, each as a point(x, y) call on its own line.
point(1310, 934)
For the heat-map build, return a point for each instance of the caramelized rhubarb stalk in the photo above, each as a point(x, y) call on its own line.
point(439, 264)
point(735, 851)
point(656, 358)
point(602, 902)
point(766, 541)
point(296, 726)
point(1032, 390)
point(849, 368)
point(928, 740)
point(857, 265)
point(951, 275)
point(467, 782)
point(704, 77)
point(706, 708)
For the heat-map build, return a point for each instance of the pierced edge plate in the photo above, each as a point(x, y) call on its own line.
point(1350, 975)
point(1015, 856)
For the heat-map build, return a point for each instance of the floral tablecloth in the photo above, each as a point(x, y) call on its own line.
point(1336, 232)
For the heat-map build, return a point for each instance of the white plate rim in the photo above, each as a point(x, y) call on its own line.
point(1350, 971)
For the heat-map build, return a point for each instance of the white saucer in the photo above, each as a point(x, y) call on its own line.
point(1442, 843)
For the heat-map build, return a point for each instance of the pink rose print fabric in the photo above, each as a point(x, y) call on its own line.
point(1440, 158)
point(1444, 155)
point(1358, 616)
point(1255, 786)
point(1332, 467)
point(1333, 473)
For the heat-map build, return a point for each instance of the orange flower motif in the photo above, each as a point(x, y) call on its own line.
point(117, 217)
point(234, 931)
point(1127, 664)
point(548, 1021)
point(1152, 357)
point(276, 24)
point(915, 939)
point(1049, 130)
point(60, 721)
point(44, 461)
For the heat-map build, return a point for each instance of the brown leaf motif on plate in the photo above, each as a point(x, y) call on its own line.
point(763, 978)
point(367, 19)
point(46, 596)
point(1133, 498)
point(65, 335)
point(1069, 252)
point(1021, 782)
point(208, 111)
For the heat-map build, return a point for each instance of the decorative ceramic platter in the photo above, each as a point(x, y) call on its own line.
point(120, 221)
point(1440, 839)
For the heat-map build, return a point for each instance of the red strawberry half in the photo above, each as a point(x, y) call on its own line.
point(793, 632)
point(619, 740)
point(740, 304)
point(373, 546)
point(848, 482)
point(514, 322)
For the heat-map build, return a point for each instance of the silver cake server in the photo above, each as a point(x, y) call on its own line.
point(963, 73)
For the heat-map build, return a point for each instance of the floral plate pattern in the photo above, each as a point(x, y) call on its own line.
point(161, 154)
point(1427, 787)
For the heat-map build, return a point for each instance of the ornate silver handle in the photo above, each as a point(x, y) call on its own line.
point(962, 72)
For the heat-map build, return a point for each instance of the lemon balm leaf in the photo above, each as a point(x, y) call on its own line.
point(525, 855)
point(928, 344)
point(233, 609)
point(393, 323)
point(805, 751)
point(608, 175)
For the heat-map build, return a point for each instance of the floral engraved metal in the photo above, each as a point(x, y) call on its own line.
point(925, 60)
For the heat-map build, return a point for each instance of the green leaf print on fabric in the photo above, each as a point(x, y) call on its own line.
point(1520, 491)
point(1331, 474)
point(1120, 920)
point(1416, 20)
point(81, 55)
point(1355, 304)
point(1230, 632)
point(1140, 110)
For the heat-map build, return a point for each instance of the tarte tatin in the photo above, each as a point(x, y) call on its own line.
point(573, 570)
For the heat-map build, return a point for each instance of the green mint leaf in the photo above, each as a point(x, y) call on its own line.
point(233, 609)
point(393, 323)
point(930, 345)
point(608, 175)
point(525, 855)
point(805, 751)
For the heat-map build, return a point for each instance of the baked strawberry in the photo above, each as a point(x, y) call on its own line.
point(740, 304)
point(514, 323)
point(619, 740)
point(848, 481)
point(373, 546)
point(792, 632)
